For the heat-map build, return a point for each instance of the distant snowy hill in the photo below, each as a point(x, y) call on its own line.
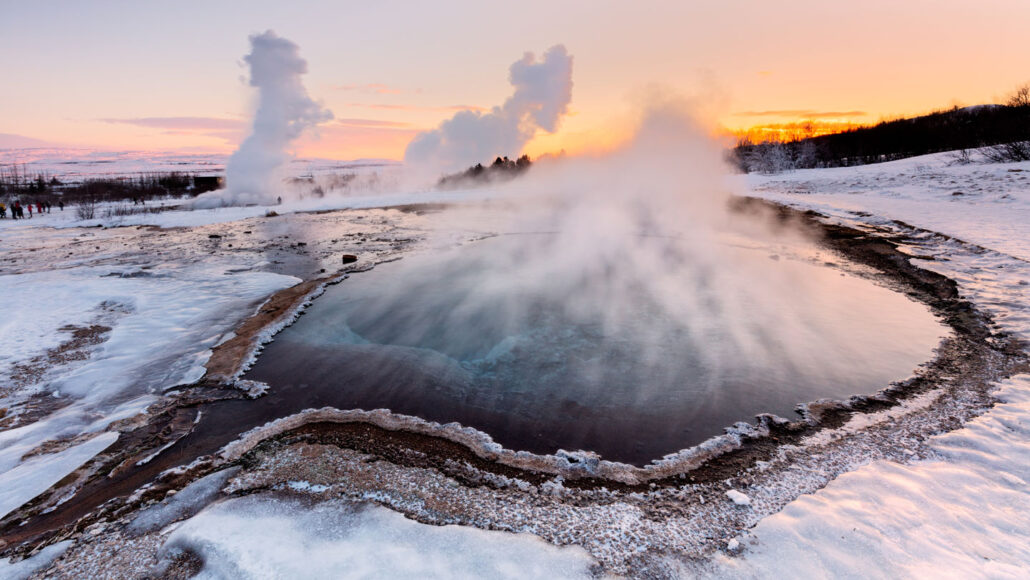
point(71, 164)
point(11, 141)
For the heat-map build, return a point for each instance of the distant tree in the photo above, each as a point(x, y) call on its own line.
point(87, 208)
point(1021, 97)
point(502, 169)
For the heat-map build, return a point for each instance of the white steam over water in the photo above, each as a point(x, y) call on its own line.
point(283, 113)
point(640, 248)
point(543, 90)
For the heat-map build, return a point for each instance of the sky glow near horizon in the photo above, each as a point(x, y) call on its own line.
point(128, 75)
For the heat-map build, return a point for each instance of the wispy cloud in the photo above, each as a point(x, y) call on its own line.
point(443, 109)
point(375, 89)
point(343, 140)
point(182, 123)
point(349, 137)
point(226, 129)
point(373, 123)
point(12, 141)
point(802, 114)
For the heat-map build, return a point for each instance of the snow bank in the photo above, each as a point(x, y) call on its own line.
point(162, 327)
point(190, 500)
point(36, 475)
point(965, 516)
point(27, 567)
point(984, 204)
point(269, 537)
point(966, 512)
point(738, 498)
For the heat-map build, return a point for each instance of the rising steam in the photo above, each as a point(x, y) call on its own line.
point(543, 90)
point(637, 254)
point(284, 112)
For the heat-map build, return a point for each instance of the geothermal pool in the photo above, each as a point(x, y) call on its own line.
point(606, 363)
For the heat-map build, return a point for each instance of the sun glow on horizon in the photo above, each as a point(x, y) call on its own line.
point(101, 75)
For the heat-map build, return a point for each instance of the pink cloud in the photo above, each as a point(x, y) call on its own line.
point(229, 130)
point(444, 109)
point(351, 122)
point(183, 123)
point(373, 88)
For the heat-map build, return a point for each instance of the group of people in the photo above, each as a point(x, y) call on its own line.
point(18, 210)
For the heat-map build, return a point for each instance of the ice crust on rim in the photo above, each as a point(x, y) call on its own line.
point(563, 463)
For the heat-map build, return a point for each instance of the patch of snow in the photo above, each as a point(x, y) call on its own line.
point(991, 210)
point(254, 389)
point(36, 475)
point(29, 566)
point(965, 511)
point(953, 517)
point(268, 537)
point(162, 330)
point(306, 486)
point(187, 502)
point(738, 498)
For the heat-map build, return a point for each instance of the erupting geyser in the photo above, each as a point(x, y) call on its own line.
point(284, 112)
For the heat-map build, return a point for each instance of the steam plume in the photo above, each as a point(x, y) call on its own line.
point(543, 90)
point(639, 248)
point(284, 111)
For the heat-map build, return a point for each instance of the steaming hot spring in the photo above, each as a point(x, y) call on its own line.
point(593, 358)
point(613, 303)
point(590, 308)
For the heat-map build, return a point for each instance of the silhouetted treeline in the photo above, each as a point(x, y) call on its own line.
point(502, 169)
point(15, 182)
point(999, 132)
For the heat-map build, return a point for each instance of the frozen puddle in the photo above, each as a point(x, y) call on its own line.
point(627, 376)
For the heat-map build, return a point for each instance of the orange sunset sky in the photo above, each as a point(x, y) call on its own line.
point(168, 76)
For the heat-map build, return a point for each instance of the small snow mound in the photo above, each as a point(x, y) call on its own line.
point(738, 497)
point(733, 545)
point(254, 389)
point(39, 561)
point(307, 486)
point(264, 536)
point(187, 502)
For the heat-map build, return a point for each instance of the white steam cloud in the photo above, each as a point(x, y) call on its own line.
point(543, 90)
point(640, 248)
point(284, 112)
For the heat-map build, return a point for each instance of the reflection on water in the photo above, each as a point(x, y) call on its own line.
point(624, 372)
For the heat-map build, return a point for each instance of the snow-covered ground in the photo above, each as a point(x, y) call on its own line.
point(267, 537)
point(72, 165)
point(964, 513)
point(99, 323)
point(984, 204)
point(148, 329)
